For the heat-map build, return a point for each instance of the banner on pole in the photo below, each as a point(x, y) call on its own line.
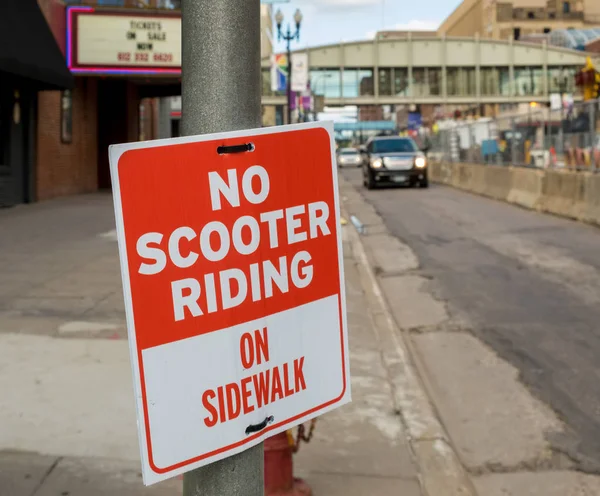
point(299, 72)
point(279, 72)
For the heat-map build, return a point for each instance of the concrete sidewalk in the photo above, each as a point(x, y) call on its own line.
point(67, 416)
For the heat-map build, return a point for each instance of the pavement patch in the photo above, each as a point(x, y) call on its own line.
point(559, 483)
point(489, 414)
point(75, 327)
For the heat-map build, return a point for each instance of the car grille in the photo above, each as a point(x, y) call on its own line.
point(398, 163)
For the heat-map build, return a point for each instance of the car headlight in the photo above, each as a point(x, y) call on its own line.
point(376, 163)
point(420, 162)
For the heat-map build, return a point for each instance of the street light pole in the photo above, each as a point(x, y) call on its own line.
point(221, 91)
point(288, 37)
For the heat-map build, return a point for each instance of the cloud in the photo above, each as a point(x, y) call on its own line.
point(418, 25)
point(346, 5)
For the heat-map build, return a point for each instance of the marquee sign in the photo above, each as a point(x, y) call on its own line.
point(121, 42)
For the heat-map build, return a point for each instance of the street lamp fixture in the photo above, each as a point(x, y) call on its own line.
point(288, 37)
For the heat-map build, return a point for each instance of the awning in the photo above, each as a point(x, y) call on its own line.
point(28, 48)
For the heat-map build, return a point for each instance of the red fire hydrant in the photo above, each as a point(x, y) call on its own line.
point(279, 469)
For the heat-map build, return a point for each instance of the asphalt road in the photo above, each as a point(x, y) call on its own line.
point(527, 284)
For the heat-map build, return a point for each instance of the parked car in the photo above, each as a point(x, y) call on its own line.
point(349, 157)
point(394, 160)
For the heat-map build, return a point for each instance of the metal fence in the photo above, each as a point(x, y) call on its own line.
point(544, 138)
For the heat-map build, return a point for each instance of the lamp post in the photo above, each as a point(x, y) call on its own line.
point(288, 37)
point(318, 79)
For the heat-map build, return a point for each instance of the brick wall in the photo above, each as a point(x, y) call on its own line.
point(66, 169)
point(593, 46)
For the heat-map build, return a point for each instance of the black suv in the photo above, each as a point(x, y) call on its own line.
point(393, 160)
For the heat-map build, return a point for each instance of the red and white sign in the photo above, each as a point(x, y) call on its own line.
point(234, 289)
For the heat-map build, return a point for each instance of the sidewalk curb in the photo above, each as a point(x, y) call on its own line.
point(439, 469)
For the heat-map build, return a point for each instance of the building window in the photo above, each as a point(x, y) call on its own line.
point(385, 82)
point(66, 116)
point(460, 81)
point(490, 81)
point(365, 82)
point(529, 81)
point(561, 80)
point(516, 33)
point(434, 80)
point(350, 83)
point(427, 82)
point(266, 82)
point(566, 7)
point(530, 15)
point(400, 82)
point(325, 82)
point(505, 82)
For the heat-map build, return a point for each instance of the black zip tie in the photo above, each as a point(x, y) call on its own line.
point(259, 427)
point(246, 147)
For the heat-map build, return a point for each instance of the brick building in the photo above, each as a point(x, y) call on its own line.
point(515, 18)
point(55, 128)
point(103, 109)
point(95, 75)
point(31, 67)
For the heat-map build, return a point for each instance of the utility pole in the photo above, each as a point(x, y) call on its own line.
point(221, 91)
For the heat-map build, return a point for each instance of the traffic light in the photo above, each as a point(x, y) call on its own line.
point(596, 86)
point(588, 79)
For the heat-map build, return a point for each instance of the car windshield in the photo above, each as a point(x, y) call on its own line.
point(349, 152)
point(401, 145)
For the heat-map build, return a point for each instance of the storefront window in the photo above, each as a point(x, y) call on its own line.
point(385, 82)
point(461, 81)
point(400, 82)
point(325, 82)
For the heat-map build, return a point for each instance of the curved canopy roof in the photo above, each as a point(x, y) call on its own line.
point(575, 39)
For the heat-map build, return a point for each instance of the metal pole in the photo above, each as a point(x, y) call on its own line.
point(592, 117)
point(289, 78)
point(513, 143)
point(221, 91)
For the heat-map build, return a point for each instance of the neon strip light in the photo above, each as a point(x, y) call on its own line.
point(103, 70)
point(70, 11)
point(115, 70)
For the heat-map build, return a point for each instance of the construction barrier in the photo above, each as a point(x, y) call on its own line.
point(561, 192)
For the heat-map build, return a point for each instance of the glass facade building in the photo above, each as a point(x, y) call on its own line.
point(428, 82)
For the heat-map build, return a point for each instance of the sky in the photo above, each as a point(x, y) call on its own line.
point(333, 21)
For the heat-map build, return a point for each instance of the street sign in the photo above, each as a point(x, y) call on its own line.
point(234, 290)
